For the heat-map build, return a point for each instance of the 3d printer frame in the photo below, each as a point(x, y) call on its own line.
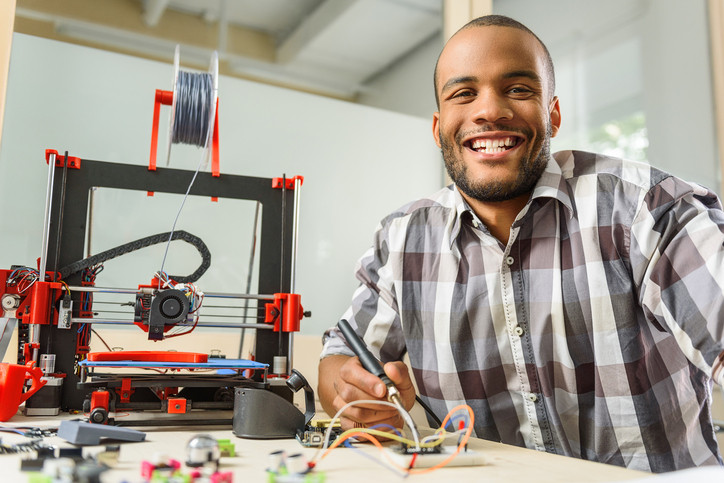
point(67, 215)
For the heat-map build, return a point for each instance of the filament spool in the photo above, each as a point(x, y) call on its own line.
point(193, 110)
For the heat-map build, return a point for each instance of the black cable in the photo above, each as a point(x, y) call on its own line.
point(76, 267)
point(428, 410)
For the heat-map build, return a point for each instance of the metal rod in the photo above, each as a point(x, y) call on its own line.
point(239, 296)
point(206, 306)
point(91, 199)
point(295, 233)
point(281, 276)
point(205, 314)
point(82, 320)
point(34, 328)
point(251, 269)
point(206, 294)
point(283, 229)
point(46, 220)
point(76, 288)
point(63, 184)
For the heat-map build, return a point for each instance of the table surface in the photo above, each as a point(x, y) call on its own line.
point(504, 463)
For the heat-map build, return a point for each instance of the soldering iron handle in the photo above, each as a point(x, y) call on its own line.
point(369, 362)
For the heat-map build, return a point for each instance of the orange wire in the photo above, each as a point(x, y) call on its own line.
point(462, 444)
point(412, 471)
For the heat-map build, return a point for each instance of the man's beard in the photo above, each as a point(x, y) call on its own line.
point(493, 189)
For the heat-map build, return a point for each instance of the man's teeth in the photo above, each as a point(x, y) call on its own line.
point(493, 145)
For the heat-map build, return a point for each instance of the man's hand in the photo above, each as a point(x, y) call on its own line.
point(342, 380)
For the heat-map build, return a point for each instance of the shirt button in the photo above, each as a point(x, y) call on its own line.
point(509, 260)
point(519, 331)
point(532, 397)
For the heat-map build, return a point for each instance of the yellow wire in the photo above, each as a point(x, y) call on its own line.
point(369, 434)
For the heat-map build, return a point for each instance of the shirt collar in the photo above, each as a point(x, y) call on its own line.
point(552, 184)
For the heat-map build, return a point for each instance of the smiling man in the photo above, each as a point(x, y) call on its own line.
point(574, 301)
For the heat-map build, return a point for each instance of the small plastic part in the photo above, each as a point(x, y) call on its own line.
point(226, 447)
point(296, 463)
point(79, 432)
point(125, 391)
point(176, 405)
point(276, 460)
point(100, 399)
point(148, 356)
point(162, 465)
point(42, 296)
point(201, 450)
point(290, 306)
point(165, 98)
point(72, 161)
point(278, 182)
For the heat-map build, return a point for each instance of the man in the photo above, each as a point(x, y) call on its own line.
point(574, 301)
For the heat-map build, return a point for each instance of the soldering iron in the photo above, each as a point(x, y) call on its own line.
point(368, 361)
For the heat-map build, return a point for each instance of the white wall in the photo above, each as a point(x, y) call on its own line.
point(632, 54)
point(407, 86)
point(678, 90)
point(359, 162)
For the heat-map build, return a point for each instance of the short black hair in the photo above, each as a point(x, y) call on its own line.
point(503, 21)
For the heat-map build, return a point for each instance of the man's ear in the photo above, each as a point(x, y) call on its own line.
point(436, 128)
point(555, 116)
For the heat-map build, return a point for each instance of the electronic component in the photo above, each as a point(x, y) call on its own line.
point(26, 447)
point(291, 468)
point(427, 457)
point(312, 436)
point(64, 312)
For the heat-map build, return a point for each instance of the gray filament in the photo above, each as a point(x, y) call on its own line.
point(194, 96)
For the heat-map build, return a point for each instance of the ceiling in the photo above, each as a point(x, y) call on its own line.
point(331, 47)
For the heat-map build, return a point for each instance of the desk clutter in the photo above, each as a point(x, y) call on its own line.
point(97, 449)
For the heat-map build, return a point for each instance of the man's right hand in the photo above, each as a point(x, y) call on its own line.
point(342, 380)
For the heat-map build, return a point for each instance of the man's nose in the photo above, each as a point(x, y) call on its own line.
point(491, 107)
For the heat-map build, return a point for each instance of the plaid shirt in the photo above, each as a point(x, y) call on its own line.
point(595, 333)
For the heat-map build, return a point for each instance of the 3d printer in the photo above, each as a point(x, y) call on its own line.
point(54, 311)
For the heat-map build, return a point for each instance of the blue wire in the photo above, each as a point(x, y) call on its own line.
point(387, 426)
point(452, 423)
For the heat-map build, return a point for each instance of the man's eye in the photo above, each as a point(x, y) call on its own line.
point(463, 93)
point(520, 90)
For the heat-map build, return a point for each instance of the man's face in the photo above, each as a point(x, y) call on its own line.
point(496, 118)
